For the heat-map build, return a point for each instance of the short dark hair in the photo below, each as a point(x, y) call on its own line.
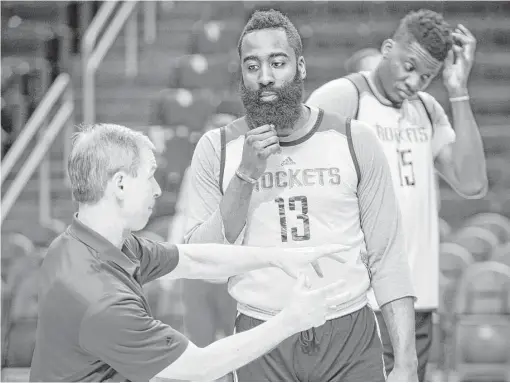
point(429, 29)
point(272, 19)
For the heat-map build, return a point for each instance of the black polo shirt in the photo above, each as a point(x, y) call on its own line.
point(95, 323)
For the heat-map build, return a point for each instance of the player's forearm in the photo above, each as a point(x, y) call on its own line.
point(399, 317)
point(234, 207)
point(206, 261)
point(228, 354)
point(209, 231)
point(468, 153)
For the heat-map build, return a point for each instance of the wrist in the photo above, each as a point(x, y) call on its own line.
point(458, 92)
point(246, 175)
point(406, 361)
point(286, 321)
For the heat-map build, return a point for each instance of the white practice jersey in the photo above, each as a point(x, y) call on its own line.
point(326, 187)
point(411, 136)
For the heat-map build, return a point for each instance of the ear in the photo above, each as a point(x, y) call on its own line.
point(386, 47)
point(301, 67)
point(117, 184)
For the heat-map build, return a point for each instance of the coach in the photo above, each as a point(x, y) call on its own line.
point(95, 323)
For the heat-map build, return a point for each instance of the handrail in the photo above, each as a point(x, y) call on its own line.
point(93, 56)
point(37, 156)
point(150, 17)
point(40, 114)
point(95, 27)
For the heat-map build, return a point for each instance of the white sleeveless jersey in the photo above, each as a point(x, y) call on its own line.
point(326, 187)
point(411, 137)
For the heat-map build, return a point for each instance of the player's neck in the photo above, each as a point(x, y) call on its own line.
point(376, 78)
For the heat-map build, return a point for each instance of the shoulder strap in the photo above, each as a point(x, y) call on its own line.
point(420, 97)
point(348, 133)
point(223, 150)
point(360, 83)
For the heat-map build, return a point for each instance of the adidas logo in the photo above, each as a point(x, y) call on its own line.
point(288, 161)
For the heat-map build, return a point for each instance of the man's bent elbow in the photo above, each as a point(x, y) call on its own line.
point(475, 191)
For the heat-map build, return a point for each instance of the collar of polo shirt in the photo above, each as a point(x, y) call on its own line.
point(106, 251)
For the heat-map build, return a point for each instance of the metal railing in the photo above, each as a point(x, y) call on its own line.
point(38, 158)
point(93, 54)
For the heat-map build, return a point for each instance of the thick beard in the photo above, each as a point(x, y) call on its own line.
point(282, 113)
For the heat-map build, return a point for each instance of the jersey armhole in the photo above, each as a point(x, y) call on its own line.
point(427, 111)
point(360, 82)
point(348, 132)
point(223, 150)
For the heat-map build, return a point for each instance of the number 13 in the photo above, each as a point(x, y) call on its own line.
point(303, 216)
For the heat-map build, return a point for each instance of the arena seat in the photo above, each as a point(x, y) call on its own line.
point(480, 242)
point(505, 205)
point(174, 107)
point(454, 260)
point(501, 254)
point(482, 328)
point(497, 172)
point(482, 350)
point(456, 210)
point(215, 36)
point(484, 290)
point(219, 71)
point(497, 223)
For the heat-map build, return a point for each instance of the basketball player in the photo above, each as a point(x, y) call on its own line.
point(290, 175)
point(418, 139)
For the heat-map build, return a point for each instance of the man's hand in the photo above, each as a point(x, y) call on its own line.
point(403, 374)
point(308, 308)
point(459, 62)
point(293, 260)
point(259, 144)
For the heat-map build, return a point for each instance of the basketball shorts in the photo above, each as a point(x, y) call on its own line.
point(343, 349)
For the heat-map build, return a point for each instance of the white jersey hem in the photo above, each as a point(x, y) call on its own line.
point(265, 314)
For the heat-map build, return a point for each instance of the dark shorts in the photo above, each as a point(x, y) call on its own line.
point(343, 349)
point(423, 329)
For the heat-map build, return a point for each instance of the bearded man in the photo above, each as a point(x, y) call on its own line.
point(291, 175)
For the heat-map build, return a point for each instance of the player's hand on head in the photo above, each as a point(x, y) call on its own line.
point(309, 307)
point(459, 61)
point(259, 144)
point(294, 260)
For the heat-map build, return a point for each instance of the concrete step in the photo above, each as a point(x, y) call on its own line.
point(179, 31)
point(56, 170)
point(59, 189)
point(59, 207)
